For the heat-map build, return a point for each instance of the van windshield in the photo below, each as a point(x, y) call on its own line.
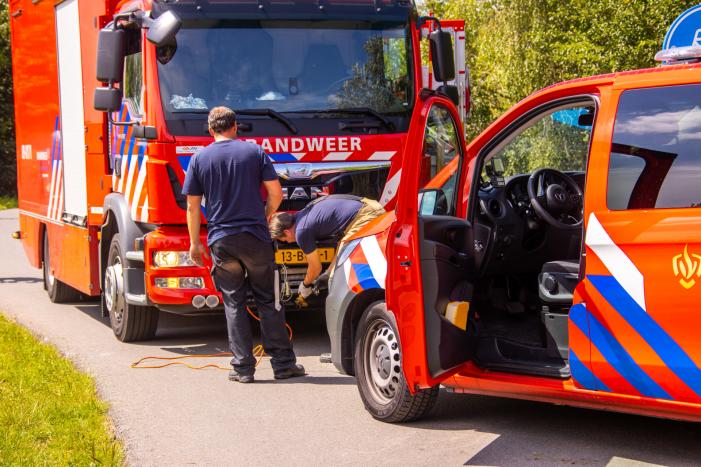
point(288, 66)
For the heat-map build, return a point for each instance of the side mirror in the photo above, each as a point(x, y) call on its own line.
point(442, 55)
point(163, 30)
point(110, 56)
point(107, 99)
point(451, 92)
point(433, 202)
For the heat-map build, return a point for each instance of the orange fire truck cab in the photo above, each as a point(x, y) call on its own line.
point(112, 98)
point(555, 258)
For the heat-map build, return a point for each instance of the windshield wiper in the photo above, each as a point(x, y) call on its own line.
point(353, 111)
point(272, 114)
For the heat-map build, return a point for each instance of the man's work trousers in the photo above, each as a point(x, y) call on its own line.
point(242, 262)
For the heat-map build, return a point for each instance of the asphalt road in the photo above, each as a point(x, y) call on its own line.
point(177, 416)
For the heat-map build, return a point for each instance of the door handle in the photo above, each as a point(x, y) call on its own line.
point(405, 264)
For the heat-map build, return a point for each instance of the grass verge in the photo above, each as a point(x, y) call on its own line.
point(49, 411)
point(7, 202)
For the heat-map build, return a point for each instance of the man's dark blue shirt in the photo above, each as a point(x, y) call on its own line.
point(325, 219)
point(229, 175)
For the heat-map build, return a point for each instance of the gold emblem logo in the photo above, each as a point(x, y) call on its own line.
point(686, 266)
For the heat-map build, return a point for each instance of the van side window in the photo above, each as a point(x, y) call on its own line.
point(656, 151)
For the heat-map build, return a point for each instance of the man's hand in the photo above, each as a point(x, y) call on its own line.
point(198, 253)
point(304, 290)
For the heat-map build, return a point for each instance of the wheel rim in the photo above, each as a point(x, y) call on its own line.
point(114, 290)
point(382, 361)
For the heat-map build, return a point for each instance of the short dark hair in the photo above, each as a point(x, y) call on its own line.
point(280, 222)
point(221, 119)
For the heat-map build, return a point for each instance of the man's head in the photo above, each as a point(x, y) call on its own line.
point(282, 227)
point(222, 121)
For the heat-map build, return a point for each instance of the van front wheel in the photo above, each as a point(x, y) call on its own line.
point(378, 370)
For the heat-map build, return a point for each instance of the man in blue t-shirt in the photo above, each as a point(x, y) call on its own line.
point(229, 174)
point(336, 217)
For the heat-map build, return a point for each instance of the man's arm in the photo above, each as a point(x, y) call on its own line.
point(194, 222)
point(313, 268)
point(274, 197)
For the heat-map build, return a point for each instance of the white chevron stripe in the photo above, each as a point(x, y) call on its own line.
point(298, 155)
point(59, 205)
point(376, 259)
point(130, 176)
point(337, 156)
point(382, 155)
point(123, 174)
point(391, 188)
point(347, 270)
point(137, 190)
point(144, 210)
point(615, 260)
point(57, 190)
point(51, 189)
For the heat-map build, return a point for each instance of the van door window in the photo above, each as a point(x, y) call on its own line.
point(440, 164)
point(656, 154)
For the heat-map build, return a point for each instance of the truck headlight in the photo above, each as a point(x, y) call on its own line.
point(172, 259)
point(179, 282)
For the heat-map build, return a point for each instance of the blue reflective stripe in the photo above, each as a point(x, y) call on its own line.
point(365, 277)
point(124, 140)
point(184, 162)
point(283, 157)
point(578, 315)
point(657, 338)
point(584, 376)
point(620, 359)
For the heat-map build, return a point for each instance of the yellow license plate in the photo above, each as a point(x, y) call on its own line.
point(296, 256)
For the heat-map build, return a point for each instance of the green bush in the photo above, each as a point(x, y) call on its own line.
point(8, 167)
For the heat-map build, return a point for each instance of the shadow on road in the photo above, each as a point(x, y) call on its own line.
point(546, 434)
point(17, 280)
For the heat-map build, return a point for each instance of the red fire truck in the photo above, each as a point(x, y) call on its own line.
point(112, 99)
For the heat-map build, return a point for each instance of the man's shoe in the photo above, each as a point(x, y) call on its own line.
point(291, 372)
point(236, 376)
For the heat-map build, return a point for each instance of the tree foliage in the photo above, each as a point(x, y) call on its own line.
point(515, 47)
point(7, 131)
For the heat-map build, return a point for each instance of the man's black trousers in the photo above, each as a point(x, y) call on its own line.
point(243, 262)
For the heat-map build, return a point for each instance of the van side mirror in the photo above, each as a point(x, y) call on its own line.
point(107, 99)
point(433, 202)
point(110, 55)
point(442, 55)
point(163, 30)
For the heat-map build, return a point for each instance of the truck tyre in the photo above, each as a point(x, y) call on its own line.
point(58, 291)
point(129, 322)
point(378, 370)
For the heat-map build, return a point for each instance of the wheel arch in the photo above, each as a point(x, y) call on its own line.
point(355, 310)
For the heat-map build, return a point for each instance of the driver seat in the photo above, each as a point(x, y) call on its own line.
point(556, 282)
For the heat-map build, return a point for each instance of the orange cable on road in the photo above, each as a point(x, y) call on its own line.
point(258, 352)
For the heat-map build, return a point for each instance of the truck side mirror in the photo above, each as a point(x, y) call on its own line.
point(110, 55)
point(451, 92)
point(442, 55)
point(163, 30)
point(107, 99)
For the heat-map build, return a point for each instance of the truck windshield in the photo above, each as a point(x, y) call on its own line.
point(288, 66)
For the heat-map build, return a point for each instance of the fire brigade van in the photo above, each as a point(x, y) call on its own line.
point(556, 258)
point(112, 98)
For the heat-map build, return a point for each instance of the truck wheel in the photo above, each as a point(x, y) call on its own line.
point(58, 291)
point(379, 374)
point(129, 322)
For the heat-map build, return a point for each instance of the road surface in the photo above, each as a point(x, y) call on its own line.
point(177, 416)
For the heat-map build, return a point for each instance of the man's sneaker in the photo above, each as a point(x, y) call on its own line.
point(291, 372)
point(236, 376)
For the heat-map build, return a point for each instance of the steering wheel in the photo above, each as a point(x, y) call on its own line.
point(561, 204)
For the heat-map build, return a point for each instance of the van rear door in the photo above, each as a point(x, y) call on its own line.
point(639, 302)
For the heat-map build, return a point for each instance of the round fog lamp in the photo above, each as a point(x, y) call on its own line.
point(212, 301)
point(198, 301)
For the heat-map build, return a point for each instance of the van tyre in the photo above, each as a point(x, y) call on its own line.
point(129, 322)
point(378, 370)
point(58, 291)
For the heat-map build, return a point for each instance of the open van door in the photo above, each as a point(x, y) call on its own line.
point(429, 253)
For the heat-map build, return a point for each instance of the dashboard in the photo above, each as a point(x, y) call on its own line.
point(510, 237)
